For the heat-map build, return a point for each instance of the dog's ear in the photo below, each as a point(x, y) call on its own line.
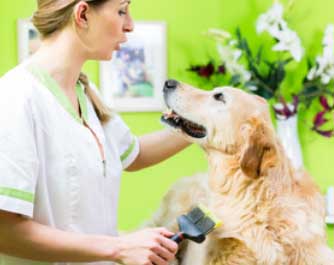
point(260, 152)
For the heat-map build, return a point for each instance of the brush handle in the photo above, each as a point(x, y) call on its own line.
point(178, 237)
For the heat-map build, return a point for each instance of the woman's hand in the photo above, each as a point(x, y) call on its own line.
point(146, 247)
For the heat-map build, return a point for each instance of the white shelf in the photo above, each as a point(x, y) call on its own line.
point(330, 220)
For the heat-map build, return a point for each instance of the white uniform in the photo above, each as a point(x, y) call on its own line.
point(51, 168)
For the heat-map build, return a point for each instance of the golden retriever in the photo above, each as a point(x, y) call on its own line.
point(271, 213)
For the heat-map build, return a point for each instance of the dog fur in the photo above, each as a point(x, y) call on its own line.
point(271, 213)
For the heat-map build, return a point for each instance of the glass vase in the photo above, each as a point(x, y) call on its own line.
point(287, 131)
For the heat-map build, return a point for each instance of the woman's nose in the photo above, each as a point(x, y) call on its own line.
point(129, 25)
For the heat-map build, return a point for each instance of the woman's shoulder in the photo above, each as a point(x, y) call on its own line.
point(18, 78)
point(17, 89)
point(17, 83)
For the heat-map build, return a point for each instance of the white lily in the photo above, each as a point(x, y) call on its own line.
point(328, 41)
point(218, 34)
point(318, 69)
point(312, 73)
point(237, 69)
point(252, 88)
point(324, 68)
point(329, 36)
point(328, 51)
point(272, 21)
point(328, 74)
point(237, 54)
point(227, 53)
point(230, 56)
point(289, 41)
point(325, 79)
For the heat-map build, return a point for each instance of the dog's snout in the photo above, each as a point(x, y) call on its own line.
point(170, 84)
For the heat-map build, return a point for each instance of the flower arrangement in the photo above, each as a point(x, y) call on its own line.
point(264, 74)
point(319, 83)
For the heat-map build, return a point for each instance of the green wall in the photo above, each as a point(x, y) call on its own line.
point(186, 20)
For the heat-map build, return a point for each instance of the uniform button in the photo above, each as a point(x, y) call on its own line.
point(72, 170)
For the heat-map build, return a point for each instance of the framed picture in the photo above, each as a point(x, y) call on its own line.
point(134, 78)
point(28, 39)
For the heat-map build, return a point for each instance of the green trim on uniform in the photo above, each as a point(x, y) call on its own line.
point(53, 86)
point(82, 101)
point(129, 150)
point(17, 194)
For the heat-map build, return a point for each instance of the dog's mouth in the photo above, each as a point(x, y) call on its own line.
point(174, 120)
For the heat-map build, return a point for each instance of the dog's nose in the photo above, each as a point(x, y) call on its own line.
point(170, 84)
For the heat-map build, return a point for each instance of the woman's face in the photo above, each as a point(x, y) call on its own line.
point(107, 28)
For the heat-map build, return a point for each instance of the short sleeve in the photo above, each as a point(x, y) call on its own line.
point(127, 143)
point(18, 154)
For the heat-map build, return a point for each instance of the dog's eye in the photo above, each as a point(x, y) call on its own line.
point(219, 97)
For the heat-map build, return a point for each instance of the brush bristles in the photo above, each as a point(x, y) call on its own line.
point(206, 225)
point(203, 219)
point(210, 215)
point(196, 214)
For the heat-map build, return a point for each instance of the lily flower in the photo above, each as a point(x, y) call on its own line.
point(324, 67)
point(289, 41)
point(272, 21)
point(324, 103)
point(285, 110)
point(325, 133)
point(328, 41)
point(218, 34)
point(230, 56)
point(319, 119)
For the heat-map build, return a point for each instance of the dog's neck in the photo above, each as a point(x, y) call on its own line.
point(225, 174)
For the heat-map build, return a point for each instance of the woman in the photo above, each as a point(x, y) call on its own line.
point(62, 151)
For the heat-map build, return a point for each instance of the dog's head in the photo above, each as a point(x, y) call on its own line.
point(225, 119)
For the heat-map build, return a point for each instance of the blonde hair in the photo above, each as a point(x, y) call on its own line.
point(52, 16)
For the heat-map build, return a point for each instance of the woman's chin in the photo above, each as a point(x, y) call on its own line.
point(102, 56)
point(105, 57)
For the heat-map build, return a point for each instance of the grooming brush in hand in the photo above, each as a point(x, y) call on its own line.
point(195, 225)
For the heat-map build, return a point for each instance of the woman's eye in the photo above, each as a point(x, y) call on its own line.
point(219, 97)
point(122, 12)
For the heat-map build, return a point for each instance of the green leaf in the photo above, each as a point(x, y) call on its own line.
point(251, 83)
point(235, 80)
point(259, 55)
point(261, 91)
point(309, 64)
point(276, 75)
point(286, 61)
point(280, 73)
point(307, 95)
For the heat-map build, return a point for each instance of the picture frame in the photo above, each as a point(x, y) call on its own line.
point(28, 39)
point(132, 81)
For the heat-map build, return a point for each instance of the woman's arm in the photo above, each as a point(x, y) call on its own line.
point(25, 238)
point(156, 147)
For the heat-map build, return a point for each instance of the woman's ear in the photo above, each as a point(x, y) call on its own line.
point(260, 152)
point(80, 14)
